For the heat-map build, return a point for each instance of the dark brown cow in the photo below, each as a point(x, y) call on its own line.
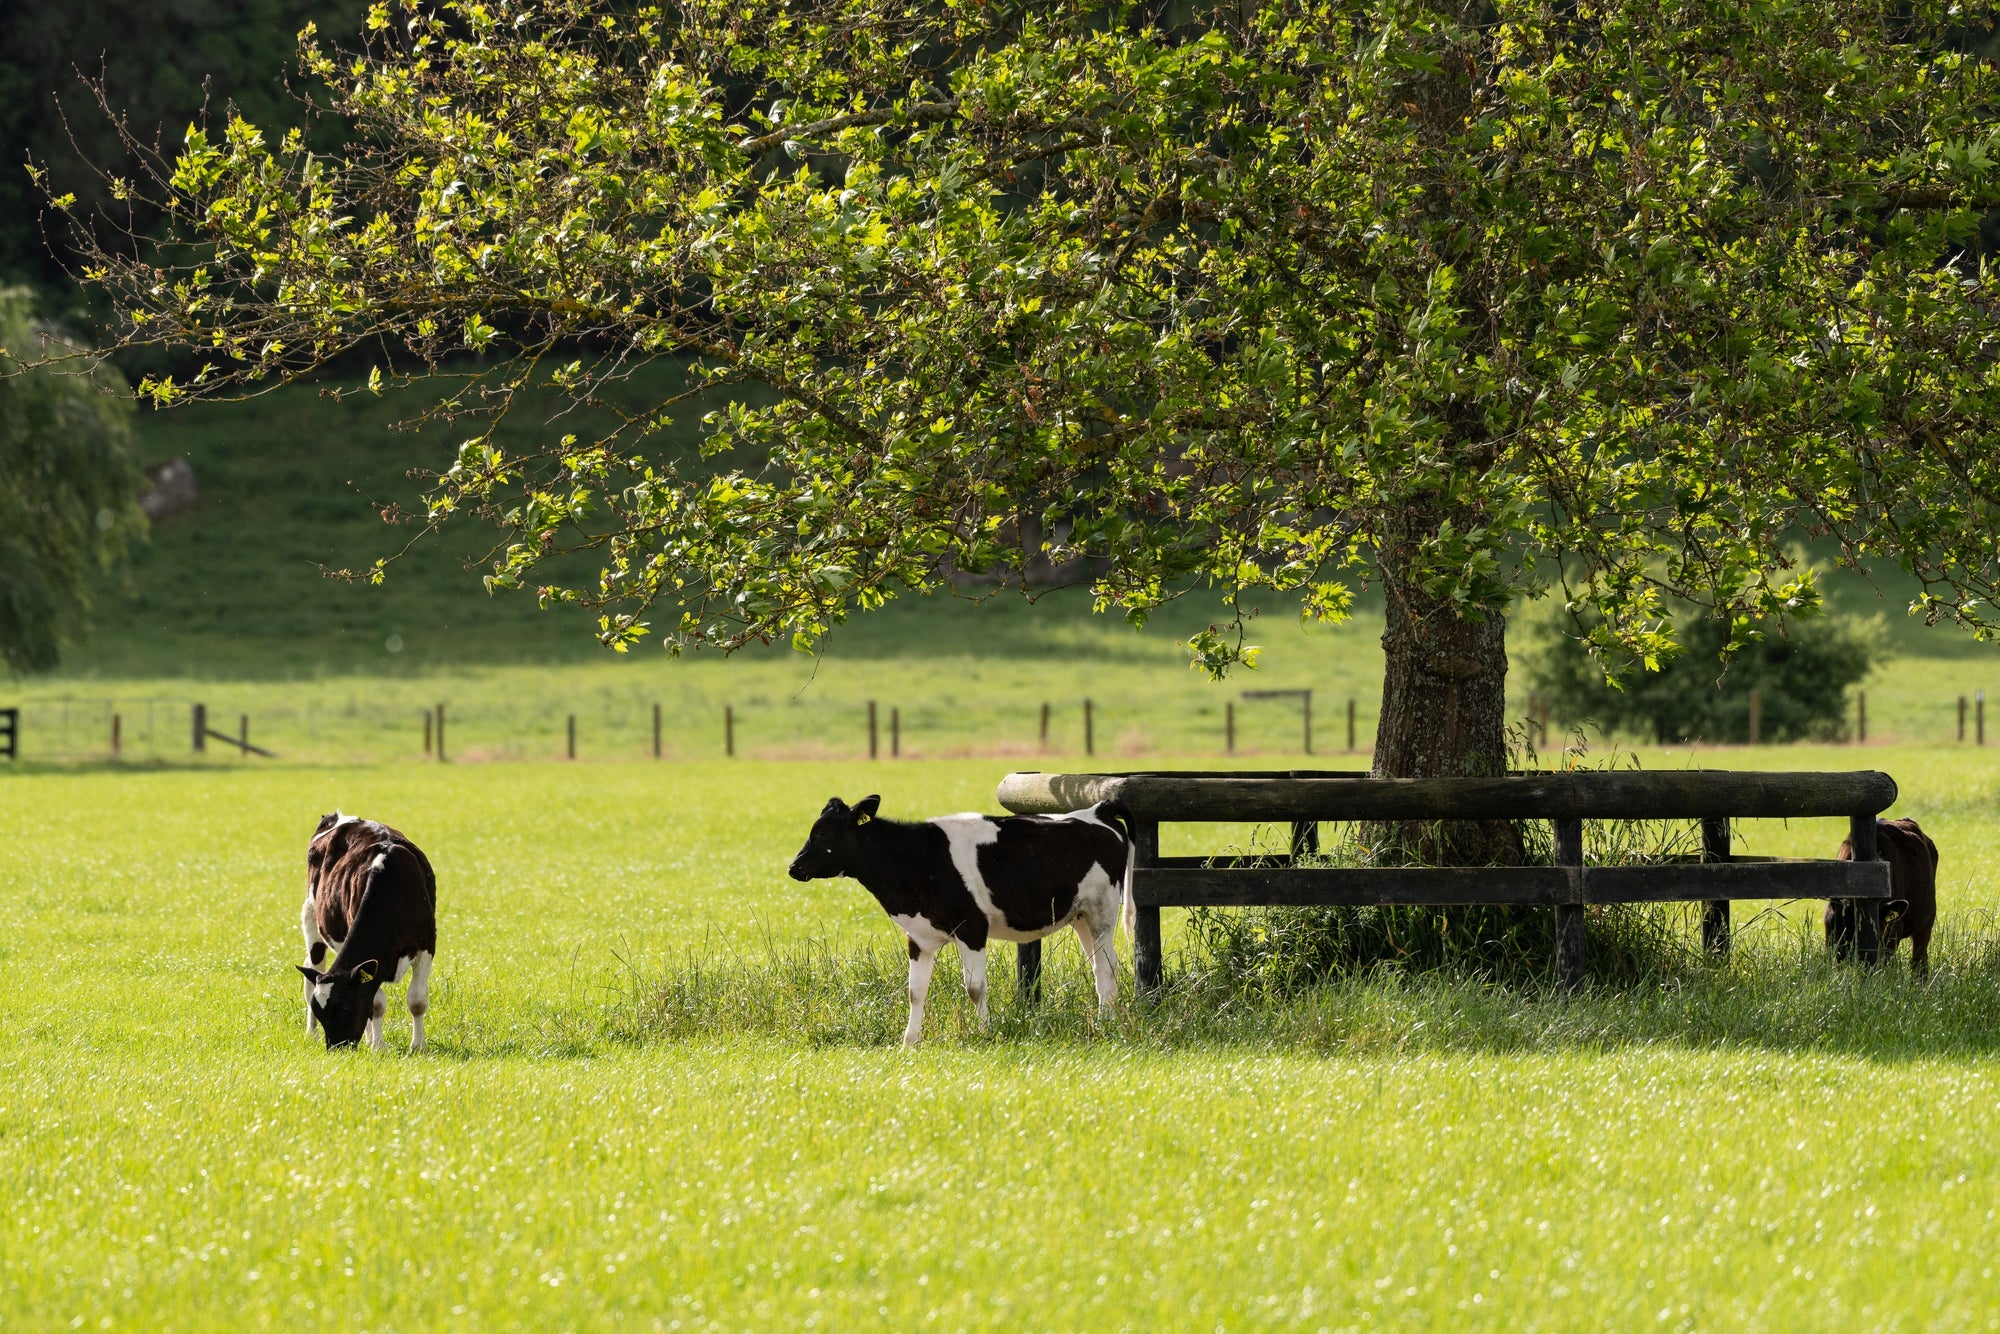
point(371, 895)
point(1911, 912)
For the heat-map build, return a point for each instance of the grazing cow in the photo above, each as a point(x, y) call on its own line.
point(971, 878)
point(1911, 912)
point(371, 895)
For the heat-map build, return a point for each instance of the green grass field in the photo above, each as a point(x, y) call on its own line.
point(623, 1121)
point(663, 1087)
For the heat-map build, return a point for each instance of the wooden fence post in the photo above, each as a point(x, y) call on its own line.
point(1756, 718)
point(200, 728)
point(729, 730)
point(871, 729)
point(1146, 962)
point(572, 736)
point(1961, 720)
point(427, 733)
point(656, 730)
point(1867, 912)
point(895, 732)
point(1306, 698)
point(1028, 970)
point(1089, 739)
point(1229, 727)
point(117, 739)
point(1045, 725)
point(1715, 912)
point(1860, 717)
point(440, 733)
point(243, 731)
point(1350, 724)
point(1569, 916)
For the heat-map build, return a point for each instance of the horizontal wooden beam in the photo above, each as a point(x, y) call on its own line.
point(1671, 794)
point(1190, 886)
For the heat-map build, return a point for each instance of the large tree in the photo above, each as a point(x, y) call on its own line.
point(1464, 299)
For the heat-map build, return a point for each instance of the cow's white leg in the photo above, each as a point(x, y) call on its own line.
point(315, 951)
point(375, 1020)
point(419, 998)
point(972, 963)
point(1100, 947)
point(922, 959)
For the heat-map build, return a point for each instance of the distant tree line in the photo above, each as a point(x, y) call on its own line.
point(158, 62)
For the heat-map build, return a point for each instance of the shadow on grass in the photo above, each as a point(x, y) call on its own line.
point(1779, 992)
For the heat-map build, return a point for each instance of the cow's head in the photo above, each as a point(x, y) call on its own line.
point(343, 999)
point(830, 846)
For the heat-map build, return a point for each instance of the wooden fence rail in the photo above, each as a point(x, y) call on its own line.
point(1566, 800)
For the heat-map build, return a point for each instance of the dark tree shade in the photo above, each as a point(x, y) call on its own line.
point(1801, 673)
point(159, 61)
point(68, 487)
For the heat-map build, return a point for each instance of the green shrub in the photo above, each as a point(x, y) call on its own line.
point(1800, 671)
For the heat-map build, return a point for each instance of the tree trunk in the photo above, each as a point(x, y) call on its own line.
point(1444, 715)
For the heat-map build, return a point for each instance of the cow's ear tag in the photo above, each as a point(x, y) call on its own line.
point(365, 976)
point(863, 819)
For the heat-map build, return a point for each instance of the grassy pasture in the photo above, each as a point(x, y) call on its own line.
point(1777, 1144)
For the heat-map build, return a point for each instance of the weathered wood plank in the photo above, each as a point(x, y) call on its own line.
point(1722, 881)
point(1188, 887)
point(1715, 934)
point(1636, 795)
point(1182, 886)
point(1569, 916)
point(1028, 970)
point(1867, 915)
point(1147, 957)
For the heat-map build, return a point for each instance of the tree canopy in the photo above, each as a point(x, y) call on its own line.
point(68, 487)
point(1468, 300)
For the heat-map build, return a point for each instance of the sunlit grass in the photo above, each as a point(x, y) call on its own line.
point(664, 1087)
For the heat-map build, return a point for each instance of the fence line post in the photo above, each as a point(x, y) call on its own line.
point(243, 732)
point(895, 732)
point(427, 733)
point(656, 730)
point(1089, 740)
point(1229, 727)
point(440, 733)
point(729, 730)
point(1961, 720)
point(1715, 912)
point(200, 728)
point(1307, 699)
point(1860, 717)
point(1350, 724)
point(1045, 726)
point(871, 730)
point(1569, 916)
point(572, 736)
point(1756, 718)
point(117, 740)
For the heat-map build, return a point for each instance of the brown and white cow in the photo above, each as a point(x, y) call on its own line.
point(371, 896)
point(967, 879)
point(1911, 911)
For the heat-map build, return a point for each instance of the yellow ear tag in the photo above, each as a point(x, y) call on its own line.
point(864, 819)
point(365, 976)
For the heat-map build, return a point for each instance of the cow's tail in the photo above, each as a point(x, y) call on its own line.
point(1114, 813)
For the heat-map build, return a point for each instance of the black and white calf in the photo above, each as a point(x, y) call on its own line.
point(371, 896)
point(973, 878)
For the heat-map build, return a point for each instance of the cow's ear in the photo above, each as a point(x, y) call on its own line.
point(864, 809)
point(834, 806)
point(365, 973)
point(312, 974)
